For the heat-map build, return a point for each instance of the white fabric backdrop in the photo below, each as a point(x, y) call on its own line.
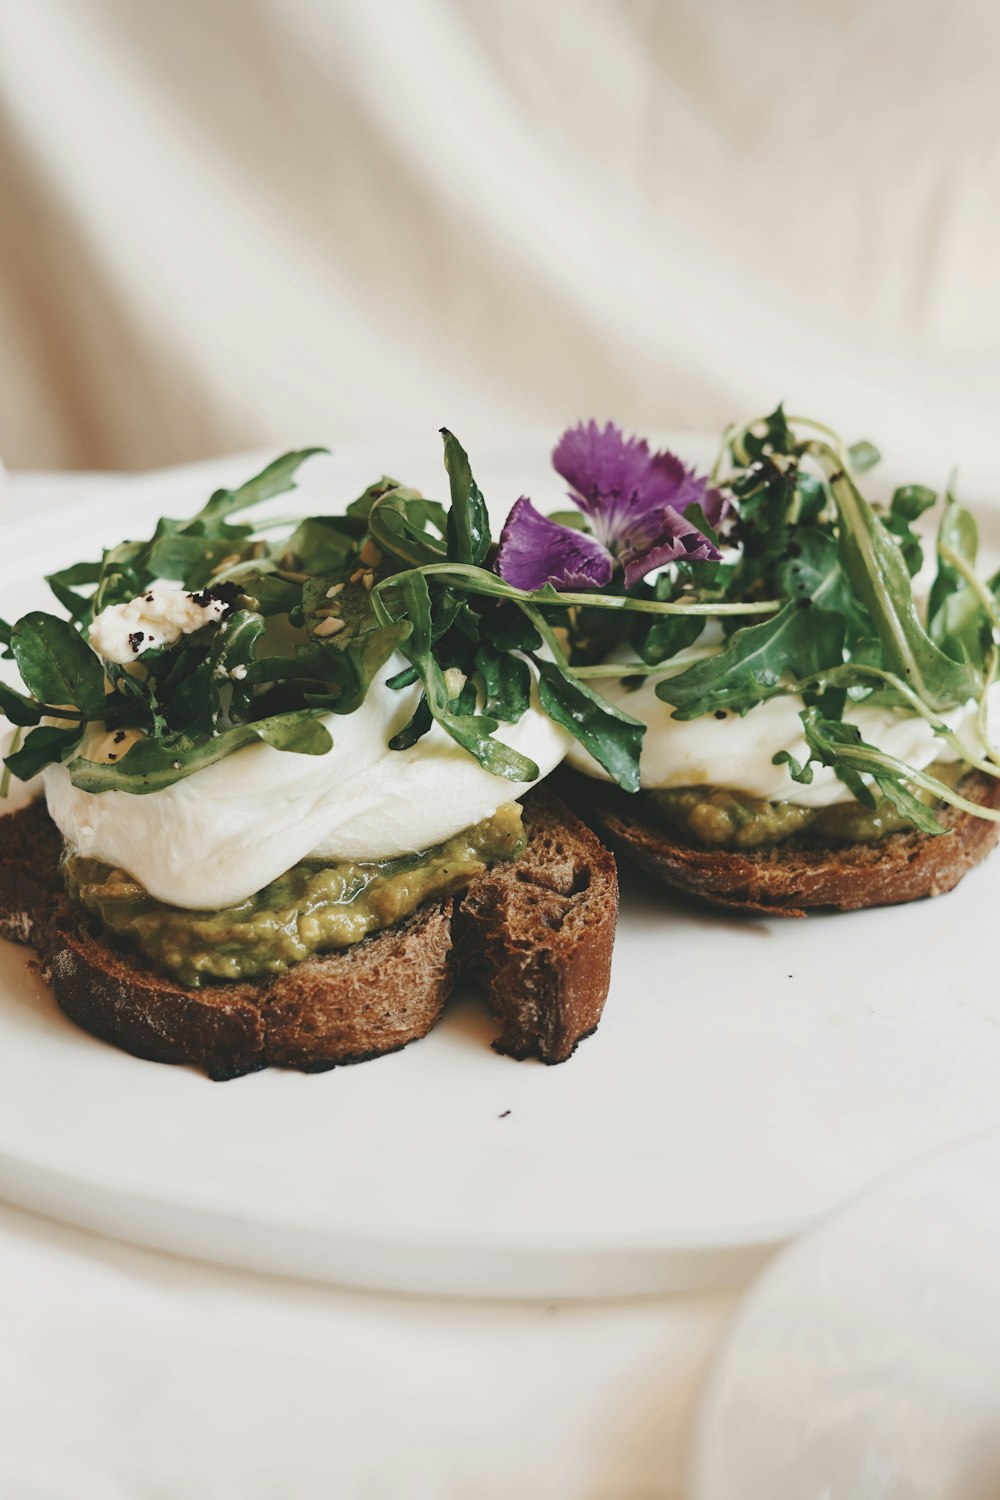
point(226, 223)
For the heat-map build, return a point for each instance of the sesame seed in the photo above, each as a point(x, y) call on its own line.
point(368, 580)
point(357, 575)
point(338, 588)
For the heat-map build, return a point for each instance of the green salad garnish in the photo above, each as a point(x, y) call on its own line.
point(811, 585)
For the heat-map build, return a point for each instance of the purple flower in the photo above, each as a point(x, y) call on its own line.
point(635, 502)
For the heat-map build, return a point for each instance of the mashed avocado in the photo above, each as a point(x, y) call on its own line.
point(724, 818)
point(311, 909)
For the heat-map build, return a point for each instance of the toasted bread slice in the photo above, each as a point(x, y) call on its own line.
point(538, 935)
point(344, 1007)
point(798, 875)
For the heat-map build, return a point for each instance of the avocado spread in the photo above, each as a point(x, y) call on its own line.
point(724, 818)
point(316, 906)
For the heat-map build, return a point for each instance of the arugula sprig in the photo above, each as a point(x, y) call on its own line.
point(313, 611)
point(812, 594)
point(805, 531)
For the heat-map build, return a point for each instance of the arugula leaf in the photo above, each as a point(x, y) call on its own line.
point(352, 657)
point(507, 681)
point(190, 551)
point(431, 514)
point(656, 639)
point(911, 500)
point(360, 509)
point(507, 628)
point(875, 565)
point(76, 575)
point(22, 710)
point(660, 639)
point(335, 669)
point(908, 503)
point(468, 520)
point(799, 770)
point(767, 496)
point(268, 594)
point(474, 732)
point(398, 524)
point(149, 765)
point(189, 689)
point(839, 745)
point(191, 560)
point(134, 703)
point(56, 664)
point(17, 708)
point(41, 748)
point(811, 497)
point(420, 722)
point(863, 456)
point(65, 583)
point(956, 620)
point(276, 479)
point(320, 544)
point(777, 437)
point(611, 737)
point(755, 660)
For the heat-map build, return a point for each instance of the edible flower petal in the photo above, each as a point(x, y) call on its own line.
point(534, 551)
point(635, 502)
point(663, 537)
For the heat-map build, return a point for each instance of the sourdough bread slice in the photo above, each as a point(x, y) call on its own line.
point(798, 875)
point(341, 1008)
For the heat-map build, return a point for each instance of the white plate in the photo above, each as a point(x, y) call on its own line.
point(747, 1076)
point(866, 1365)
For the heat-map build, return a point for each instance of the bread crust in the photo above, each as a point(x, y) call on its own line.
point(345, 1007)
point(797, 876)
point(538, 935)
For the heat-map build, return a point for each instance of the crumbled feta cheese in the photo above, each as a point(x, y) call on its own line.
point(157, 618)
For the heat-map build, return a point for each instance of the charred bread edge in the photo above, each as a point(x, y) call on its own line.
point(796, 876)
point(350, 1006)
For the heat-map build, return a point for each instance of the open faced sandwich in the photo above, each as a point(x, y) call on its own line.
point(288, 789)
point(837, 750)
